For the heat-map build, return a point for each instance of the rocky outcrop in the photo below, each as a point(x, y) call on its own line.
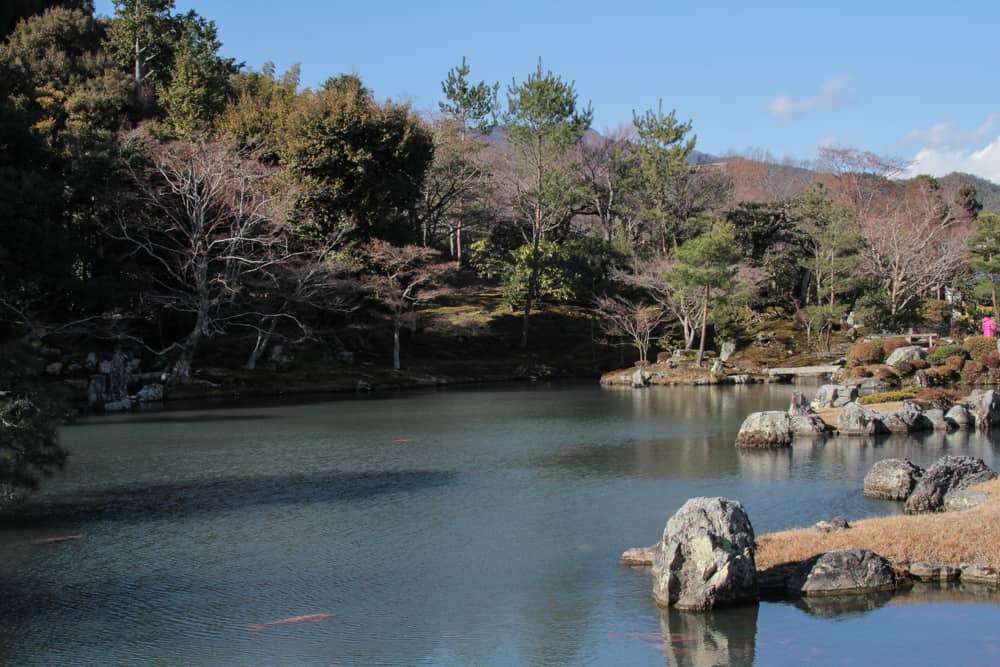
point(799, 406)
point(847, 572)
point(964, 499)
point(765, 429)
point(639, 556)
point(855, 419)
point(910, 353)
point(934, 572)
point(985, 408)
point(948, 474)
point(958, 416)
point(834, 396)
point(640, 378)
point(808, 425)
point(936, 419)
point(835, 525)
point(979, 573)
point(892, 479)
point(908, 420)
point(706, 558)
point(726, 351)
point(150, 393)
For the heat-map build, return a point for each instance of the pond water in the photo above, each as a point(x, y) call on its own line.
point(458, 527)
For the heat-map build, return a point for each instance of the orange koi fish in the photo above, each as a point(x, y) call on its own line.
point(294, 620)
point(61, 538)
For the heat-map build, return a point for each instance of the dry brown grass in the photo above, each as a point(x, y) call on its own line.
point(970, 536)
point(830, 415)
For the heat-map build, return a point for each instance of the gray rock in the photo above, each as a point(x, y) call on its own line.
point(985, 408)
point(639, 556)
point(150, 393)
point(77, 384)
point(908, 420)
point(91, 361)
point(858, 420)
point(934, 571)
point(74, 366)
point(799, 406)
point(834, 395)
point(51, 353)
point(742, 378)
point(134, 363)
point(847, 572)
point(55, 368)
point(908, 353)
point(835, 526)
point(765, 429)
point(964, 499)
point(118, 377)
point(892, 479)
point(920, 380)
point(726, 351)
point(935, 417)
point(707, 556)
point(123, 405)
point(640, 378)
point(948, 473)
point(958, 416)
point(345, 357)
point(808, 425)
point(979, 573)
point(104, 367)
point(97, 391)
point(718, 368)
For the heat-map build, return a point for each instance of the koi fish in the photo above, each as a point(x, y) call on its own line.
point(60, 538)
point(294, 620)
point(402, 441)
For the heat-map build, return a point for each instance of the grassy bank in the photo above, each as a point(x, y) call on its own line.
point(969, 536)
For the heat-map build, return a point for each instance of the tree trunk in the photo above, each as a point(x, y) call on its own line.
point(530, 297)
point(138, 70)
point(395, 347)
point(263, 340)
point(704, 327)
point(458, 241)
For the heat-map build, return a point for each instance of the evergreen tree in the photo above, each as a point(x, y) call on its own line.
point(543, 123)
point(984, 253)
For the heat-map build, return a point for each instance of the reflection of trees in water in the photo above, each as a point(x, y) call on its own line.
point(718, 637)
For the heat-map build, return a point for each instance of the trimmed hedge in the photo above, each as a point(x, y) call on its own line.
point(939, 355)
point(979, 346)
point(865, 352)
point(889, 396)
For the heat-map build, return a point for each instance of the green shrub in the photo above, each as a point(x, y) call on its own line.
point(904, 367)
point(955, 362)
point(865, 352)
point(939, 355)
point(936, 310)
point(979, 346)
point(889, 396)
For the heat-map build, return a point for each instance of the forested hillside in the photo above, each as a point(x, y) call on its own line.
point(208, 219)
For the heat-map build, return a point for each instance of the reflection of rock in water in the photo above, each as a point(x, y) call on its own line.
point(719, 637)
point(766, 465)
point(843, 605)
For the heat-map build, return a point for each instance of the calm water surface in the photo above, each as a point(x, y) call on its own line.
point(461, 527)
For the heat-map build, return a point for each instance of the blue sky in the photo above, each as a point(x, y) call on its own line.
point(912, 79)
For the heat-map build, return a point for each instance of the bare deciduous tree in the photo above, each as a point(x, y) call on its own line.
point(634, 322)
point(403, 277)
point(213, 227)
point(914, 243)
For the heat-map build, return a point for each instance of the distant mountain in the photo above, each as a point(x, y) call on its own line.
point(987, 192)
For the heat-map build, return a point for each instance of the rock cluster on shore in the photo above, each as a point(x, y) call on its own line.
point(778, 429)
point(942, 487)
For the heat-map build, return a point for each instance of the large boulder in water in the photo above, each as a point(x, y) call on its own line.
point(799, 406)
point(847, 572)
point(908, 420)
point(640, 378)
point(985, 408)
point(706, 559)
point(892, 479)
point(948, 474)
point(855, 419)
point(765, 429)
point(959, 417)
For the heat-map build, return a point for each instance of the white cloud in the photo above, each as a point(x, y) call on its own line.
point(944, 135)
point(832, 94)
point(937, 161)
